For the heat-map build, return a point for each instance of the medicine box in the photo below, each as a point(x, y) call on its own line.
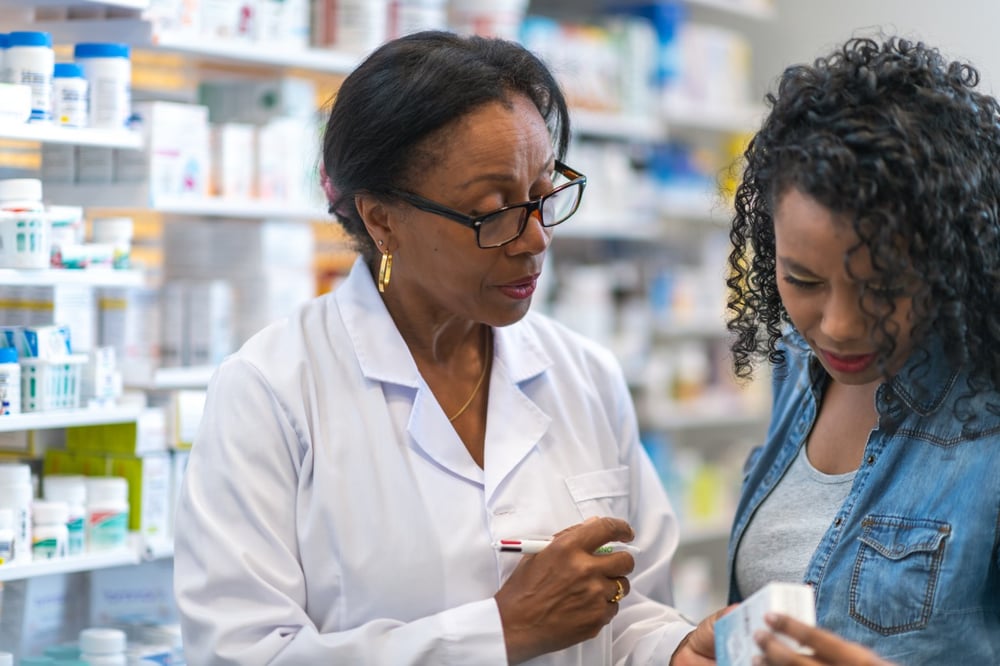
point(734, 642)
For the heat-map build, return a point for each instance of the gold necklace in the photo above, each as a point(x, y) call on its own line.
point(486, 366)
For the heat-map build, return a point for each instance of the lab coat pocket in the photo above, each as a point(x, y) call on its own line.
point(601, 493)
point(896, 572)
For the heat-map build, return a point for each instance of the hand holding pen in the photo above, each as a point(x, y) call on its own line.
point(566, 591)
point(532, 546)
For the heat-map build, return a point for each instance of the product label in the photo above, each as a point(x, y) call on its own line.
point(6, 550)
point(47, 549)
point(108, 529)
point(75, 543)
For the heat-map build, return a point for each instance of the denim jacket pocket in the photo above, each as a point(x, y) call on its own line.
point(601, 493)
point(896, 572)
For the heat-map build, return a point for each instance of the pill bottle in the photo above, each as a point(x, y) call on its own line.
point(6, 659)
point(107, 512)
point(29, 61)
point(10, 382)
point(103, 647)
point(16, 494)
point(116, 232)
point(108, 71)
point(4, 43)
point(49, 536)
point(72, 490)
point(69, 95)
point(24, 226)
point(6, 536)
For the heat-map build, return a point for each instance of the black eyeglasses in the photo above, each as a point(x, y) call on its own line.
point(506, 224)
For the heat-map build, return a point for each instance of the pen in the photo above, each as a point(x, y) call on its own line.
point(527, 546)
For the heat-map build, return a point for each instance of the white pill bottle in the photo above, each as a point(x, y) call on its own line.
point(108, 72)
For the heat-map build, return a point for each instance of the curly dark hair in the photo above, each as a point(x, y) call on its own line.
point(892, 137)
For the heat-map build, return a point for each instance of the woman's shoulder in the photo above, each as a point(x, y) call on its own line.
point(560, 341)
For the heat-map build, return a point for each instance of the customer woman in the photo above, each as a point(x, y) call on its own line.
point(866, 269)
point(358, 461)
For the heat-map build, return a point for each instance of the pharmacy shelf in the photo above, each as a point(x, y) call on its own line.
point(77, 136)
point(128, 196)
point(713, 118)
point(91, 277)
point(88, 562)
point(137, 550)
point(118, 4)
point(699, 533)
point(142, 33)
point(696, 326)
point(175, 379)
point(757, 9)
point(618, 126)
point(603, 228)
point(702, 414)
point(68, 418)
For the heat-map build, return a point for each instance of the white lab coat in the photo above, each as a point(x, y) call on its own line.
point(331, 515)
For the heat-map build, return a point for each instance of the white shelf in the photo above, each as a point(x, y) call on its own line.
point(49, 133)
point(68, 418)
point(137, 550)
point(136, 196)
point(173, 379)
point(142, 33)
point(716, 119)
point(698, 533)
point(96, 277)
point(702, 414)
point(758, 9)
point(119, 4)
point(617, 126)
point(696, 327)
point(87, 562)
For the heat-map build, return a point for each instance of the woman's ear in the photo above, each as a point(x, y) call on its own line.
point(377, 216)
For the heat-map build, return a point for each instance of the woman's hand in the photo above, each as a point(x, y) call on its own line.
point(698, 647)
point(565, 594)
point(827, 648)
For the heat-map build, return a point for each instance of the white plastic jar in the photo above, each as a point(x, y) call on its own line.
point(69, 95)
point(72, 490)
point(6, 536)
point(108, 71)
point(16, 494)
point(49, 536)
point(10, 382)
point(24, 226)
point(107, 512)
point(103, 647)
point(29, 61)
point(116, 232)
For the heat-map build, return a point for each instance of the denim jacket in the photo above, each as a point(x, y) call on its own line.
point(909, 566)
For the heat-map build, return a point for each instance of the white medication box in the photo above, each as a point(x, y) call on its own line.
point(734, 643)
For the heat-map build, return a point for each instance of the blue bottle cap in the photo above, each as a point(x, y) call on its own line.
point(89, 50)
point(29, 39)
point(4, 40)
point(67, 70)
point(8, 355)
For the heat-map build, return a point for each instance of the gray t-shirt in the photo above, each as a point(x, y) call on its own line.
point(783, 534)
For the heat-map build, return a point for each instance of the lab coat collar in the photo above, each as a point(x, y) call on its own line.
point(515, 424)
point(385, 357)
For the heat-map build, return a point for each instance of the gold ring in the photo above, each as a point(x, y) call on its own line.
point(620, 594)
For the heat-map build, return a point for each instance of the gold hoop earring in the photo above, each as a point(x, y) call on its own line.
point(384, 272)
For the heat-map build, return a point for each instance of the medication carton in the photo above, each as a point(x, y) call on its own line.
point(734, 643)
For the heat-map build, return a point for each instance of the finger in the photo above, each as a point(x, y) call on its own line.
point(777, 652)
point(592, 534)
point(621, 588)
point(826, 646)
point(823, 643)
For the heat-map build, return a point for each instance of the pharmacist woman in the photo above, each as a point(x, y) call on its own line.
point(358, 461)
